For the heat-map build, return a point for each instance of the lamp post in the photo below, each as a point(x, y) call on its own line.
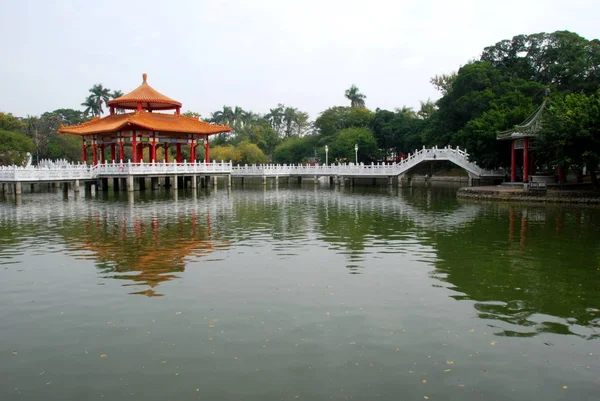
point(356, 152)
point(326, 151)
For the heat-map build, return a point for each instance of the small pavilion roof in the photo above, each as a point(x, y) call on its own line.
point(528, 128)
point(144, 120)
point(150, 98)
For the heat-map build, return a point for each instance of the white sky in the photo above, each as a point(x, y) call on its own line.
point(257, 53)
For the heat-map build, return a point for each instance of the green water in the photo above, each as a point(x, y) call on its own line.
point(297, 294)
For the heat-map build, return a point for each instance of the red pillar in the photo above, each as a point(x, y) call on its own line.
point(178, 153)
point(513, 162)
point(134, 149)
point(84, 151)
point(153, 152)
point(101, 154)
point(121, 152)
point(95, 152)
point(561, 174)
point(525, 159)
point(206, 151)
point(112, 152)
point(192, 153)
point(140, 152)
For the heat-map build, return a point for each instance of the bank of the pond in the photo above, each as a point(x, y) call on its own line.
point(512, 194)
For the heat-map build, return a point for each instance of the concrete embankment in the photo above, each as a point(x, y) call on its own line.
point(511, 194)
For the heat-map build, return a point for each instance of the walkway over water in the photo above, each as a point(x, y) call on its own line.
point(70, 172)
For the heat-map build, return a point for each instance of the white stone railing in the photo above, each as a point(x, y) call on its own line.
point(455, 155)
point(161, 168)
point(64, 172)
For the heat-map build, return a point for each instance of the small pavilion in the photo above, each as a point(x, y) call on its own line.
point(521, 136)
point(144, 128)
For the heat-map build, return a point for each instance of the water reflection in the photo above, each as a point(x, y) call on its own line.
point(144, 250)
point(526, 270)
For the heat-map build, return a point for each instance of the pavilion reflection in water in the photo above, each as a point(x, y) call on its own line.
point(144, 251)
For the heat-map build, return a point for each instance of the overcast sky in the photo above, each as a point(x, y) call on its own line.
point(257, 53)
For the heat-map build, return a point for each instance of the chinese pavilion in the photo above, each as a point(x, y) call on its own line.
point(520, 137)
point(143, 128)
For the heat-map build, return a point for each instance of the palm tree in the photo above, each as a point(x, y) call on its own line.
point(427, 109)
point(275, 118)
point(357, 99)
point(407, 112)
point(91, 107)
point(99, 95)
point(116, 94)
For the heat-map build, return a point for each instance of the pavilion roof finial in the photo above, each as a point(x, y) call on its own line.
point(144, 77)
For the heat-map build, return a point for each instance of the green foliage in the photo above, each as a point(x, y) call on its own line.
point(64, 147)
point(99, 95)
point(562, 59)
point(338, 118)
point(13, 147)
point(244, 153)
point(398, 132)
point(571, 133)
point(342, 148)
point(8, 122)
point(294, 150)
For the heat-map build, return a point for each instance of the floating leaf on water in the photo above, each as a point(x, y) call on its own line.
point(15, 352)
point(102, 355)
point(163, 361)
point(447, 370)
point(565, 387)
point(460, 385)
point(425, 397)
point(236, 358)
point(396, 349)
point(210, 338)
point(493, 343)
point(212, 326)
point(178, 313)
point(449, 362)
point(424, 381)
point(42, 372)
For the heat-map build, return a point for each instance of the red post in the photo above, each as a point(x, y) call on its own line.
point(140, 152)
point(153, 152)
point(525, 159)
point(192, 153)
point(101, 154)
point(95, 152)
point(113, 152)
point(84, 151)
point(121, 152)
point(513, 162)
point(206, 151)
point(561, 174)
point(178, 153)
point(134, 149)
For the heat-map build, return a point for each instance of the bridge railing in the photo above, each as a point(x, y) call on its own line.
point(34, 173)
point(162, 168)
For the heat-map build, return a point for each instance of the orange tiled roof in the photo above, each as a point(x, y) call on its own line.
point(148, 96)
point(145, 121)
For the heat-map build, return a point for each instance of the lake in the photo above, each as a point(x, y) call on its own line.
point(297, 293)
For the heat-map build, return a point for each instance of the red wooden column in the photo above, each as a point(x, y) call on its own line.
point(134, 149)
point(84, 151)
point(121, 152)
point(153, 152)
point(525, 159)
point(113, 152)
point(561, 174)
point(140, 152)
point(206, 151)
point(178, 153)
point(95, 152)
point(192, 153)
point(513, 162)
point(101, 154)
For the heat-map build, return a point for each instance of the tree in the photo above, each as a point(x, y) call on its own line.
point(443, 82)
point(562, 59)
point(294, 150)
point(337, 118)
point(8, 122)
point(357, 99)
point(192, 114)
point(342, 148)
point(13, 147)
point(99, 95)
point(571, 132)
